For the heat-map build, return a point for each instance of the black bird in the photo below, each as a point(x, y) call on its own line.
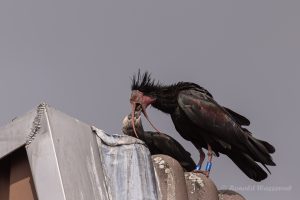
point(158, 143)
point(200, 119)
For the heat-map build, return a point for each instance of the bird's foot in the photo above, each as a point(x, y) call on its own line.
point(206, 173)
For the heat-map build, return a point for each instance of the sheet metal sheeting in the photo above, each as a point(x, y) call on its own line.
point(42, 159)
point(70, 160)
point(128, 167)
point(14, 134)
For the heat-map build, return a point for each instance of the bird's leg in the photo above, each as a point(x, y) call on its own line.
point(202, 157)
point(209, 162)
point(198, 166)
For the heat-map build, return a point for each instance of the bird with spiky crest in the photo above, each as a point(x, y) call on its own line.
point(199, 119)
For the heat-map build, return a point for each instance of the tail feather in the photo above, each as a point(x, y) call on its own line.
point(265, 166)
point(268, 146)
point(248, 165)
point(259, 151)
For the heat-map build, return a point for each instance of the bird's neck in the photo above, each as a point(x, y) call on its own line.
point(166, 96)
point(166, 99)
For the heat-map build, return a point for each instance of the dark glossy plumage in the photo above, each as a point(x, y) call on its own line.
point(160, 143)
point(201, 120)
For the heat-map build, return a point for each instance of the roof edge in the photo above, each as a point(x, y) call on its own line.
point(36, 124)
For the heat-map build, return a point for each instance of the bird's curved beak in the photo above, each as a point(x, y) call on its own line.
point(140, 101)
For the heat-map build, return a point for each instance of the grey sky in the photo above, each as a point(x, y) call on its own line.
point(79, 56)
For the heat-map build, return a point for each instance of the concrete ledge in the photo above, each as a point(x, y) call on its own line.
point(200, 187)
point(170, 178)
point(175, 184)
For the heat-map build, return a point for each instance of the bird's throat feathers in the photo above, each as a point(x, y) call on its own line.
point(166, 99)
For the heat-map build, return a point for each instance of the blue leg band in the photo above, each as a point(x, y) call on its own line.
point(198, 167)
point(208, 166)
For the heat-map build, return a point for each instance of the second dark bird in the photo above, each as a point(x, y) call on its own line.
point(158, 143)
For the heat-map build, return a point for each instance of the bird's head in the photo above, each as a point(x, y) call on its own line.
point(142, 95)
point(144, 88)
point(138, 98)
point(127, 128)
